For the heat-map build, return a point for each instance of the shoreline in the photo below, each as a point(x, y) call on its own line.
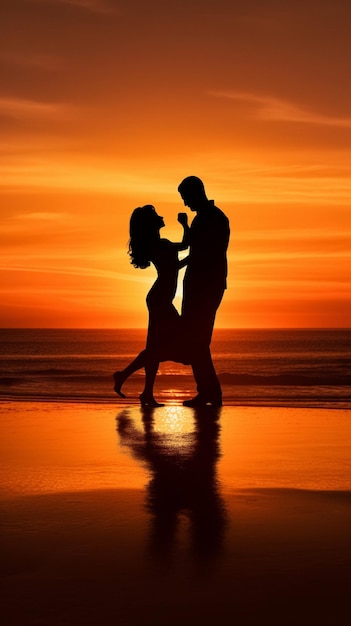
point(81, 445)
point(134, 402)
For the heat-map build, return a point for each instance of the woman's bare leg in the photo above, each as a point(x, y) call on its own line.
point(147, 397)
point(121, 376)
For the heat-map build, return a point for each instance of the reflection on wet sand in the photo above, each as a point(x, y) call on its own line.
point(84, 544)
point(183, 481)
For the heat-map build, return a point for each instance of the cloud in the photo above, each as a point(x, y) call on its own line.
point(236, 180)
point(20, 108)
point(90, 272)
point(39, 61)
point(94, 6)
point(273, 109)
point(42, 216)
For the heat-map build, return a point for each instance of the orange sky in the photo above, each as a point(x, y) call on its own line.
point(106, 105)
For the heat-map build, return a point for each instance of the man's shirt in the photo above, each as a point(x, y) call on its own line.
point(208, 240)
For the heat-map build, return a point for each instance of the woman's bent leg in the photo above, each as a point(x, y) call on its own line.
point(121, 376)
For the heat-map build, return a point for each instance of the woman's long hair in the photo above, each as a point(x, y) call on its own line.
point(144, 233)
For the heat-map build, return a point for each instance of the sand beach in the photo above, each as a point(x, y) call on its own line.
point(110, 514)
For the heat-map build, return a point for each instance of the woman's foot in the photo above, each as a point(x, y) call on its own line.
point(147, 400)
point(119, 380)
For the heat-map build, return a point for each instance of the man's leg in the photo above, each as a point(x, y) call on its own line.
point(199, 316)
point(208, 385)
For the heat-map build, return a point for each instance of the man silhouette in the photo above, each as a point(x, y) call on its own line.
point(203, 287)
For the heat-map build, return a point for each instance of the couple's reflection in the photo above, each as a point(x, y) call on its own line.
point(183, 480)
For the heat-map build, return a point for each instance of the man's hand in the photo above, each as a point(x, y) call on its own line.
point(183, 219)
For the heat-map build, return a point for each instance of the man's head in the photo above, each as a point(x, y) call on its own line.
point(193, 193)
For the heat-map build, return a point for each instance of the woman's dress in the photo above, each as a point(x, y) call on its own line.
point(164, 339)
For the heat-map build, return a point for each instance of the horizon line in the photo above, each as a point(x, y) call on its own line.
point(126, 328)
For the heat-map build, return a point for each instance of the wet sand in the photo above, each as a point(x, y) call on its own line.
point(112, 515)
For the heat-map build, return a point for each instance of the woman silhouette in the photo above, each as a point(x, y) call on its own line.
point(163, 338)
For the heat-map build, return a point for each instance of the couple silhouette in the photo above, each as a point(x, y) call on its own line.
point(184, 338)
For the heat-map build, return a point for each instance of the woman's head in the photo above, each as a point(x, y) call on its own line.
point(144, 230)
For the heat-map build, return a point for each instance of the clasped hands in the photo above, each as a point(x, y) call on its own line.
point(183, 219)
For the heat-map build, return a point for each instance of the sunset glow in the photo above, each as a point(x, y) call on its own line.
point(106, 105)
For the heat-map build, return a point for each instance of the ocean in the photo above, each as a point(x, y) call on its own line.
point(308, 367)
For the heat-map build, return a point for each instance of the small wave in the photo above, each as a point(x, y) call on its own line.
point(8, 381)
point(286, 380)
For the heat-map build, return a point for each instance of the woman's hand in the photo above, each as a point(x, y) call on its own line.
point(183, 219)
